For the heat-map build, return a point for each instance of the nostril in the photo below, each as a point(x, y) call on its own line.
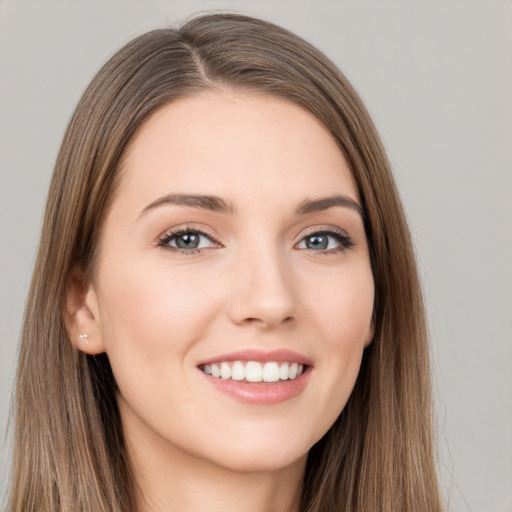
point(267, 322)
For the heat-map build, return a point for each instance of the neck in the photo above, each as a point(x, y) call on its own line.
point(218, 489)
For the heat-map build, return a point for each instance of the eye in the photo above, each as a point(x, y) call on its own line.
point(326, 241)
point(187, 241)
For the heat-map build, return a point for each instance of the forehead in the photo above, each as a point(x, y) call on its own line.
point(230, 143)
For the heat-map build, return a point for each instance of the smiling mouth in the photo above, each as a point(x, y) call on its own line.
point(254, 371)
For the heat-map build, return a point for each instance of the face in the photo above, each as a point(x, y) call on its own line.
point(232, 290)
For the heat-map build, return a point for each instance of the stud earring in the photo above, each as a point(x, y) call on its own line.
point(84, 337)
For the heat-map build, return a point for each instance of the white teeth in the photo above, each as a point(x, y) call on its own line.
point(253, 371)
point(238, 371)
point(215, 370)
point(284, 371)
point(271, 372)
point(225, 371)
point(292, 372)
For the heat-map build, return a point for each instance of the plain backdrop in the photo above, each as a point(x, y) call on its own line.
point(437, 77)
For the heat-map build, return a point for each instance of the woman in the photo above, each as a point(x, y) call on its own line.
point(225, 310)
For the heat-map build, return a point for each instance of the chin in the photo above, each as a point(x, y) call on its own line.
point(262, 464)
point(261, 457)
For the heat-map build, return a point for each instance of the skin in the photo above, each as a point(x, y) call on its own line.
point(254, 284)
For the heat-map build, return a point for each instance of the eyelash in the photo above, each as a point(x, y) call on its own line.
point(345, 242)
point(169, 236)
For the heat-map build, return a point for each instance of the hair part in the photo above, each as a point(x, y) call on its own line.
point(69, 451)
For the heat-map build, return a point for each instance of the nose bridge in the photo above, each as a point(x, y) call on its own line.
point(263, 291)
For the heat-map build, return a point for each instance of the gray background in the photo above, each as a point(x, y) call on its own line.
point(437, 78)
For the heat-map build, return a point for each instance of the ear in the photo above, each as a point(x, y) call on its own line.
point(81, 316)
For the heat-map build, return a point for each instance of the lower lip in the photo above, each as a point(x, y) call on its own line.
point(261, 393)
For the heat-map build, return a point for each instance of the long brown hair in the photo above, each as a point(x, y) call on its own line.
point(69, 451)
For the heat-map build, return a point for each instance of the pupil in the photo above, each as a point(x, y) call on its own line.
point(317, 242)
point(188, 241)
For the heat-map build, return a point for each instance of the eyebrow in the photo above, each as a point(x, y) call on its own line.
point(217, 204)
point(203, 202)
point(318, 205)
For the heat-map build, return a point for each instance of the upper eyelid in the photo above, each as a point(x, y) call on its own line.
point(188, 229)
point(325, 229)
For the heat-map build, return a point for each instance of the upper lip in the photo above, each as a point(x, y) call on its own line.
point(261, 356)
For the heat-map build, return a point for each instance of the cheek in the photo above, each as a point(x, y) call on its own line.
point(343, 308)
point(154, 312)
point(343, 320)
point(151, 321)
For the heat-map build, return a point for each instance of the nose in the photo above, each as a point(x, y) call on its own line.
point(263, 293)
